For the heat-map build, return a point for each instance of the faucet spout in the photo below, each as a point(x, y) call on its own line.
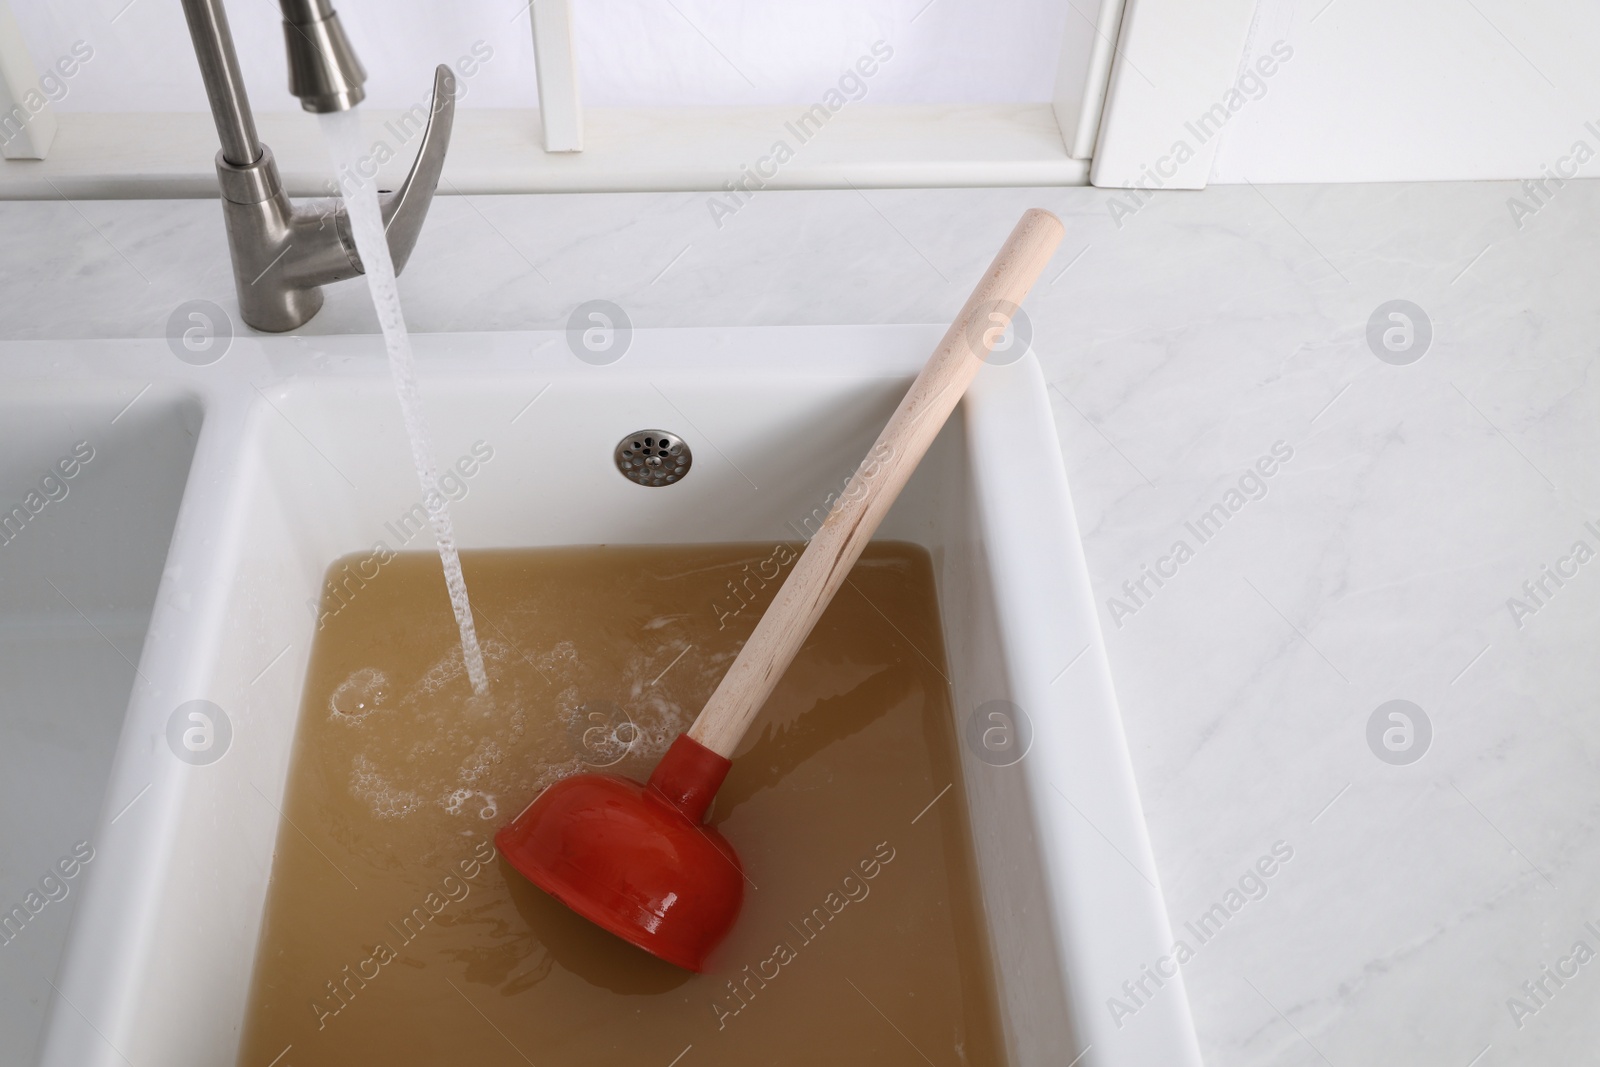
point(323, 69)
point(283, 253)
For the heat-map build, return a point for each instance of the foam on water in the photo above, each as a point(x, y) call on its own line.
point(386, 800)
point(432, 746)
point(343, 132)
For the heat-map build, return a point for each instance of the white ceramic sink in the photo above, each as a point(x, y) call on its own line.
point(302, 460)
point(88, 495)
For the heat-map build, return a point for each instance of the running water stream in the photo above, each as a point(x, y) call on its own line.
point(342, 129)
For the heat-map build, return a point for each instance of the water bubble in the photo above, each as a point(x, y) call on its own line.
point(481, 705)
point(359, 695)
point(602, 733)
point(456, 802)
point(382, 799)
point(481, 761)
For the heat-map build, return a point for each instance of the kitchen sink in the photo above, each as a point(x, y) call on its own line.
point(302, 459)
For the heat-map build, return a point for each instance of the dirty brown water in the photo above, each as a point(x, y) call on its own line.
point(394, 934)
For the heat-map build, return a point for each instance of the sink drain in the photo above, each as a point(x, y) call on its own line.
point(653, 457)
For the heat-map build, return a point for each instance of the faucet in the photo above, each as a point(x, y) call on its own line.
point(283, 252)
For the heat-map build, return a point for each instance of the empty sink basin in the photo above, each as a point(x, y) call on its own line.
point(89, 492)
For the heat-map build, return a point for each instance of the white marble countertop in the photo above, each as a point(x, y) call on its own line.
point(1374, 564)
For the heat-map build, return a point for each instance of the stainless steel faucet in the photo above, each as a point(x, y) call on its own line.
point(283, 252)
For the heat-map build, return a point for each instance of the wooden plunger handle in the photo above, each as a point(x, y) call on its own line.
point(866, 499)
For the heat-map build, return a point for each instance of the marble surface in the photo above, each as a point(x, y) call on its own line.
point(1184, 345)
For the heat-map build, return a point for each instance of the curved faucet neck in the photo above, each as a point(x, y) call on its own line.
point(219, 69)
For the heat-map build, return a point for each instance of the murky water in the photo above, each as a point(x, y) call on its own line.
point(395, 935)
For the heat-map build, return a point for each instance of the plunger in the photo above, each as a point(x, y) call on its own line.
point(635, 858)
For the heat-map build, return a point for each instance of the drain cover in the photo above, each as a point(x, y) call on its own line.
point(653, 457)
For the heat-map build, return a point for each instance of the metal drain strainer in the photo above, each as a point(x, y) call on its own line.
point(653, 457)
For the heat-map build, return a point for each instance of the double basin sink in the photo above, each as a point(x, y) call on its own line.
point(180, 561)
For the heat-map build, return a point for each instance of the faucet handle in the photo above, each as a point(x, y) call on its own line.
point(406, 207)
point(330, 255)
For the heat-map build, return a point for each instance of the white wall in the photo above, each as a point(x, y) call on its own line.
point(631, 53)
point(1377, 90)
